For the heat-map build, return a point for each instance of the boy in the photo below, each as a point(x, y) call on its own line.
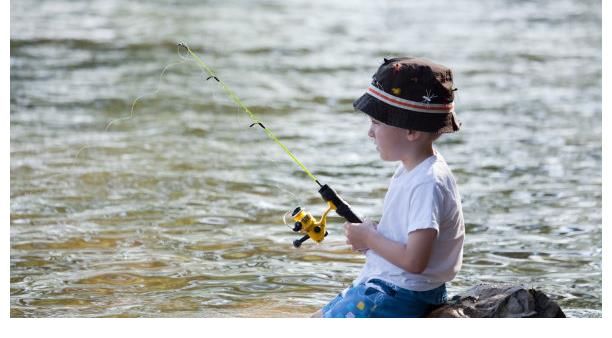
point(418, 245)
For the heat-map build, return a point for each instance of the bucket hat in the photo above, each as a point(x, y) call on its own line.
point(411, 93)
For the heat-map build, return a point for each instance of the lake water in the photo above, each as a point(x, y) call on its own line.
point(177, 212)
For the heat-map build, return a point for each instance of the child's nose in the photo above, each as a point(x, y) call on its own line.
point(371, 132)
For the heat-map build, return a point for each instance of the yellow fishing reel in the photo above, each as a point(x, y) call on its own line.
point(308, 225)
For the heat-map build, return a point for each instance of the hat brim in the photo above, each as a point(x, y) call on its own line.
point(406, 119)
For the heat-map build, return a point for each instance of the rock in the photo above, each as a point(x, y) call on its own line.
point(496, 301)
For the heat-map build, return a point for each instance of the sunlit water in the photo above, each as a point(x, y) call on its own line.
point(178, 211)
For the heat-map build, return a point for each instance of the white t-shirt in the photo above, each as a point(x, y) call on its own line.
point(425, 197)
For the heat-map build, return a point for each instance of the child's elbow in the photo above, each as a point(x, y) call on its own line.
point(415, 267)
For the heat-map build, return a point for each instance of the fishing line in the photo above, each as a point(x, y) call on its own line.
point(131, 116)
point(184, 60)
point(295, 200)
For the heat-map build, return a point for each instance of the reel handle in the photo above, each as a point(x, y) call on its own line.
point(342, 208)
point(298, 242)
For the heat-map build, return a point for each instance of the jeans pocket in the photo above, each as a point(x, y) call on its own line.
point(384, 287)
point(371, 290)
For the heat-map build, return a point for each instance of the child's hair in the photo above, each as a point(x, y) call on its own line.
point(434, 136)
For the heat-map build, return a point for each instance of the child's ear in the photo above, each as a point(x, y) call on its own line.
point(412, 135)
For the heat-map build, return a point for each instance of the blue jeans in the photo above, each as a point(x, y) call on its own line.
point(378, 298)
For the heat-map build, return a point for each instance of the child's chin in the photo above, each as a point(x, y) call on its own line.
point(384, 158)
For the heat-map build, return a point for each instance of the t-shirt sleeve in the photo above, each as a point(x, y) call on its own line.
point(424, 208)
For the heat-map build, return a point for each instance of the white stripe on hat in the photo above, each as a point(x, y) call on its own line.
point(398, 102)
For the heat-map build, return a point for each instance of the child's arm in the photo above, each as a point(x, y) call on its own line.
point(412, 256)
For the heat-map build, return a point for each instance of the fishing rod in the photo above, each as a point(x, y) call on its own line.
point(304, 221)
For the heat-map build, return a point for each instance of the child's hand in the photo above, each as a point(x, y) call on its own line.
point(357, 234)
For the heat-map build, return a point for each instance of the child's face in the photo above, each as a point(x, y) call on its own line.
point(391, 142)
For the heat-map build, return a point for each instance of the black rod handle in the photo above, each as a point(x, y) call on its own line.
point(342, 208)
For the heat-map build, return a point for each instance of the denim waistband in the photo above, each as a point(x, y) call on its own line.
point(392, 290)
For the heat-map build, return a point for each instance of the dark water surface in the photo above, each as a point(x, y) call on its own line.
point(178, 211)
